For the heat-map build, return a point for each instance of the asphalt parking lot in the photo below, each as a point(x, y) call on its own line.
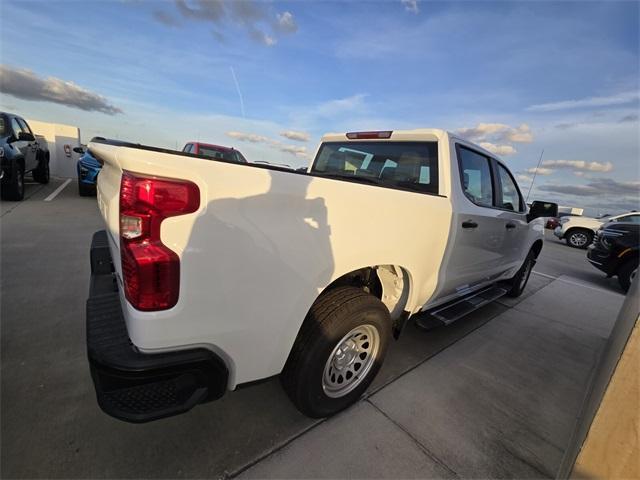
point(52, 427)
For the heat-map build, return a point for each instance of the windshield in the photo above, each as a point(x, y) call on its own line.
point(220, 154)
point(405, 165)
point(3, 127)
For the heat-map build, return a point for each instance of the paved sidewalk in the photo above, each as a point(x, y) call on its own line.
point(501, 402)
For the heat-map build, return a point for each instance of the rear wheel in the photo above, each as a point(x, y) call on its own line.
point(338, 352)
point(13, 185)
point(579, 238)
point(626, 273)
point(86, 190)
point(519, 282)
point(41, 173)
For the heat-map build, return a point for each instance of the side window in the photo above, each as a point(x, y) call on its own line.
point(508, 195)
point(25, 126)
point(630, 219)
point(476, 177)
point(15, 126)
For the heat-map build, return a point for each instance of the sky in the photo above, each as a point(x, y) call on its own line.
point(521, 78)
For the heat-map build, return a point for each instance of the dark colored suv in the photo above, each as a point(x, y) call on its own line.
point(615, 251)
point(19, 154)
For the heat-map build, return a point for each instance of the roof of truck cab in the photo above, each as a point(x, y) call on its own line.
point(415, 135)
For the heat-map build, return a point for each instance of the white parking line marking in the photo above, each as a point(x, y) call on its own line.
point(543, 274)
point(57, 190)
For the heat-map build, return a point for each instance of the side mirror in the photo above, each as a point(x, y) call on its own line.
point(79, 150)
point(26, 137)
point(542, 209)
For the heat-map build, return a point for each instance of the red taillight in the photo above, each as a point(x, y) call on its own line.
point(150, 270)
point(369, 135)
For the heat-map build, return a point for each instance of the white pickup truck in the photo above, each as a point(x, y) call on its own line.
point(214, 274)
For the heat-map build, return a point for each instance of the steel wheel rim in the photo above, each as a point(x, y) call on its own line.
point(579, 239)
point(350, 361)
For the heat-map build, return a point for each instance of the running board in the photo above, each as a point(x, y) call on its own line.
point(451, 312)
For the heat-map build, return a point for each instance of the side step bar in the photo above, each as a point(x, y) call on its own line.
point(449, 313)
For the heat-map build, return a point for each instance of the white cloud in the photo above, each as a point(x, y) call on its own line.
point(540, 170)
point(293, 149)
point(335, 107)
point(411, 6)
point(297, 136)
point(602, 186)
point(248, 137)
point(255, 17)
point(579, 165)
point(286, 22)
point(25, 84)
point(589, 102)
point(497, 132)
point(524, 178)
point(498, 149)
point(297, 150)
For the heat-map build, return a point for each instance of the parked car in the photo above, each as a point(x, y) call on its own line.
point(615, 251)
point(215, 274)
point(578, 231)
point(87, 168)
point(217, 152)
point(19, 154)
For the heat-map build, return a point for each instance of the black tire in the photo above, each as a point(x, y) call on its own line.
point(626, 273)
point(518, 283)
point(13, 185)
point(41, 173)
point(86, 190)
point(334, 316)
point(579, 238)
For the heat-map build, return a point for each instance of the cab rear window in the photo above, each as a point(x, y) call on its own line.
point(403, 165)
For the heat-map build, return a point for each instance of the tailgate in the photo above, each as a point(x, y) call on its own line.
point(108, 196)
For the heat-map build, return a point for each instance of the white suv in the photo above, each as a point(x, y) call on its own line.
point(579, 231)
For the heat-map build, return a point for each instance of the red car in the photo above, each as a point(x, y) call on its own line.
point(214, 151)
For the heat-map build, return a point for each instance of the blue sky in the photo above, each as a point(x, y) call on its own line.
point(519, 77)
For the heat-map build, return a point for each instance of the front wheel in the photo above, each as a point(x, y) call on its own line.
point(580, 238)
point(519, 282)
point(626, 273)
point(338, 351)
point(13, 185)
point(85, 190)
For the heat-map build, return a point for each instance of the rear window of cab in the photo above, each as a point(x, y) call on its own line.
point(402, 165)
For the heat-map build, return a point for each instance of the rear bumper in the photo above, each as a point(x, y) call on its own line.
point(135, 386)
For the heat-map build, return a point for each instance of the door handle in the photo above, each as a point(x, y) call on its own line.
point(469, 224)
point(510, 225)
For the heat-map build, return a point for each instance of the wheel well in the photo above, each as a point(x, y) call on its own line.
point(573, 229)
point(537, 247)
point(631, 257)
point(389, 283)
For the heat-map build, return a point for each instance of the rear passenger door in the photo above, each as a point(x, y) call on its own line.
point(476, 254)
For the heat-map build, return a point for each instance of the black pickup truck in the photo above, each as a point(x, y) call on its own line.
point(19, 154)
point(615, 251)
